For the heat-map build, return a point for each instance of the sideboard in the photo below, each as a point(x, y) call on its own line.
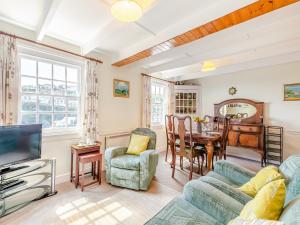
point(246, 123)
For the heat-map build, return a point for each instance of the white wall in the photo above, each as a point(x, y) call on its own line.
point(266, 85)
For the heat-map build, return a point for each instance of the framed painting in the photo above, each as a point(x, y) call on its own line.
point(292, 92)
point(121, 88)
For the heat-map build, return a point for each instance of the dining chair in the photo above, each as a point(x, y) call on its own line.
point(185, 147)
point(220, 147)
point(169, 133)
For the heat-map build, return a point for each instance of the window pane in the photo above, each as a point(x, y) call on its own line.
point(45, 86)
point(59, 72)
point(45, 70)
point(59, 104)
point(73, 105)
point(45, 120)
point(59, 88)
point(72, 89)
point(45, 103)
point(28, 84)
point(59, 120)
point(28, 67)
point(72, 120)
point(28, 103)
point(72, 74)
point(29, 119)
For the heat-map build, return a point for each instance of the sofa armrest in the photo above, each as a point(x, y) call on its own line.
point(234, 172)
point(212, 201)
point(148, 164)
point(108, 155)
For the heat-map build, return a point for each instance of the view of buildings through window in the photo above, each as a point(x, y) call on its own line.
point(50, 93)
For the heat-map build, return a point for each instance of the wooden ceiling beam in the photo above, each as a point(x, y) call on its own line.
point(244, 14)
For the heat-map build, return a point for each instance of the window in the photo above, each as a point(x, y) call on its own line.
point(50, 93)
point(159, 103)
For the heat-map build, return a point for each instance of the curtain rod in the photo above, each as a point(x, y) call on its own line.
point(49, 46)
point(146, 75)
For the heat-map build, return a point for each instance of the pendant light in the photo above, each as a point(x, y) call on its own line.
point(126, 10)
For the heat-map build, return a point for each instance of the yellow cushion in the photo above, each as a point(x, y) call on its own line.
point(138, 144)
point(264, 176)
point(267, 204)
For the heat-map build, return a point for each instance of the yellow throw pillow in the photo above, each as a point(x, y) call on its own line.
point(267, 204)
point(264, 176)
point(138, 144)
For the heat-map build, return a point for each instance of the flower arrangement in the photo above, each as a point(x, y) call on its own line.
point(198, 119)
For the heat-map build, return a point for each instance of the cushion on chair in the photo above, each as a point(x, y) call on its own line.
point(267, 204)
point(222, 178)
point(138, 144)
point(264, 176)
point(129, 162)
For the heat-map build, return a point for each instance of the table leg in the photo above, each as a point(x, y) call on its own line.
point(82, 178)
point(77, 170)
point(210, 152)
point(71, 177)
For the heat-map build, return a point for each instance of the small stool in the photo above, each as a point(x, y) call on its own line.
point(96, 160)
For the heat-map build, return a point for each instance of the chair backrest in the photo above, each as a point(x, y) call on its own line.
point(169, 128)
point(225, 132)
point(184, 131)
point(147, 132)
point(290, 168)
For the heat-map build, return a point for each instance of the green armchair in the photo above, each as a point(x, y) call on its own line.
point(132, 171)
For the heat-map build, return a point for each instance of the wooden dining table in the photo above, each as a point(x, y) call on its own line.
point(208, 139)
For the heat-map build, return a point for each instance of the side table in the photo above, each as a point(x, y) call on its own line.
point(79, 150)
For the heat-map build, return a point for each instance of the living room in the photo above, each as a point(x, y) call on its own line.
point(157, 77)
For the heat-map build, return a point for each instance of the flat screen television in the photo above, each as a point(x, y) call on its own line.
point(19, 143)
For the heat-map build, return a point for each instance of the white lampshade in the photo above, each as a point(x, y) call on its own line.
point(126, 10)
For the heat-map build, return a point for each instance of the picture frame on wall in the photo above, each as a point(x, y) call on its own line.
point(292, 92)
point(121, 88)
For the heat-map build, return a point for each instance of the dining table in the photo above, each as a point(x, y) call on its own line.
point(207, 138)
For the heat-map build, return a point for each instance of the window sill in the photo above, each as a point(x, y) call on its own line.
point(65, 134)
point(157, 126)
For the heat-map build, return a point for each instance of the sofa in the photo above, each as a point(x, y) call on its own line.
point(215, 200)
point(132, 171)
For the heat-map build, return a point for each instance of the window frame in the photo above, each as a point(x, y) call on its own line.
point(53, 59)
point(160, 84)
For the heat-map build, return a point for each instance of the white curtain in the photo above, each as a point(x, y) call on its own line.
point(91, 101)
point(171, 98)
point(9, 80)
point(146, 117)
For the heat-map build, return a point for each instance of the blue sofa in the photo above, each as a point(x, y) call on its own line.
point(215, 200)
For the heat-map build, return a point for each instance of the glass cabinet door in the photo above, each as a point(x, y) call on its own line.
point(186, 102)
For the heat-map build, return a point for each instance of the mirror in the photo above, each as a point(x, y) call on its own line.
point(238, 110)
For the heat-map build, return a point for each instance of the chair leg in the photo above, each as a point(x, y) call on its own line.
point(181, 162)
point(166, 159)
point(205, 160)
point(173, 166)
point(202, 156)
point(82, 178)
point(198, 158)
point(191, 169)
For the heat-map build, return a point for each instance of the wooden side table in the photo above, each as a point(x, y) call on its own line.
point(96, 160)
point(79, 150)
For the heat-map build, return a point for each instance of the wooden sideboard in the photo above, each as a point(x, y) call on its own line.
point(246, 123)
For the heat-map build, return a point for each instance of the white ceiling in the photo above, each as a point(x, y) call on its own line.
point(89, 24)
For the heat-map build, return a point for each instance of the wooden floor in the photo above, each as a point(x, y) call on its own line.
point(108, 205)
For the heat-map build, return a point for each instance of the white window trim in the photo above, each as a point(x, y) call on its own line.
point(159, 83)
point(31, 52)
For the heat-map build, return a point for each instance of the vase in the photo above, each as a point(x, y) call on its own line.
point(199, 127)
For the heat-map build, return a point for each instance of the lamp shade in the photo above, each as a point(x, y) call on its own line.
point(126, 10)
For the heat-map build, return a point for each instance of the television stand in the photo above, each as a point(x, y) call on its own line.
point(23, 183)
point(12, 168)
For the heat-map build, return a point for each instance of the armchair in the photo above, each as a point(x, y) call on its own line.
point(132, 171)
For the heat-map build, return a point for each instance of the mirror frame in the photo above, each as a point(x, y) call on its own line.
point(254, 119)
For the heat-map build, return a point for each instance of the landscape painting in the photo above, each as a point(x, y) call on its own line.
point(121, 88)
point(292, 92)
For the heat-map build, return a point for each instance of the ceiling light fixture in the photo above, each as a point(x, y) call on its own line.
point(126, 10)
point(208, 66)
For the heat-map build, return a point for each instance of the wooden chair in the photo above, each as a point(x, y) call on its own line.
point(185, 147)
point(169, 133)
point(220, 147)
